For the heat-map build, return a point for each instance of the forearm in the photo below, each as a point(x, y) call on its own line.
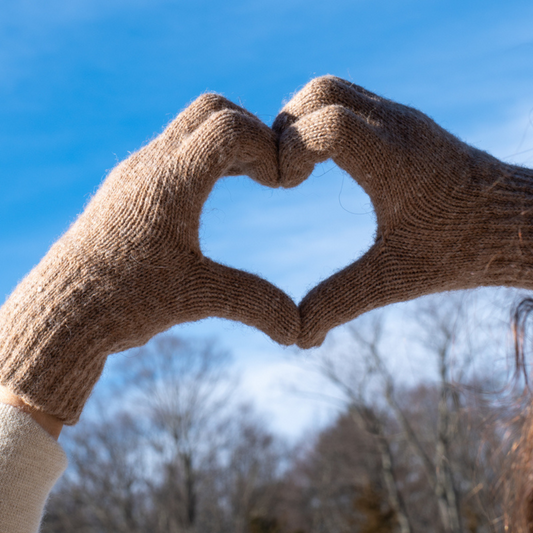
point(31, 461)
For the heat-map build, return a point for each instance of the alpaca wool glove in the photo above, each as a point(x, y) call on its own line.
point(131, 265)
point(449, 216)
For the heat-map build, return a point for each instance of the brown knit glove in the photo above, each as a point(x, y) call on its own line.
point(449, 216)
point(131, 265)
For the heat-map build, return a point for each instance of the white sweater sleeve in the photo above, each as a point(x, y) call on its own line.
point(31, 461)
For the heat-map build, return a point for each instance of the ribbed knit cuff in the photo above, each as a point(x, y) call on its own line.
point(31, 462)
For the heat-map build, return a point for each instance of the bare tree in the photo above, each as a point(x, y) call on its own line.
point(438, 469)
point(182, 390)
point(106, 487)
point(445, 438)
point(242, 486)
point(334, 484)
point(353, 385)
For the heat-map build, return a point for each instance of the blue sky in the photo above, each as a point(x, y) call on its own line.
point(84, 82)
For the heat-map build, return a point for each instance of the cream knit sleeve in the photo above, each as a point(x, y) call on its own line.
point(31, 461)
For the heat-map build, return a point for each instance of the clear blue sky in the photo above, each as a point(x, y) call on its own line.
point(83, 82)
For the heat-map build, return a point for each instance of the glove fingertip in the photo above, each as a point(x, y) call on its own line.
point(306, 342)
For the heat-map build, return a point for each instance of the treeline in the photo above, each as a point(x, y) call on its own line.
point(182, 455)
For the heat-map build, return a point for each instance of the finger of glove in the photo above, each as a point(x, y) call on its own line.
point(196, 114)
point(228, 142)
point(330, 132)
point(379, 278)
point(327, 91)
point(209, 289)
point(159, 156)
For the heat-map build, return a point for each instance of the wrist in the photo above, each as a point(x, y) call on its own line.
point(49, 423)
point(506, 230)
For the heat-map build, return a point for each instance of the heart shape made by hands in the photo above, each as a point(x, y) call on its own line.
point(449, 216)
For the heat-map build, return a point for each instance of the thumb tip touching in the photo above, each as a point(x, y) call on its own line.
point(306, 341)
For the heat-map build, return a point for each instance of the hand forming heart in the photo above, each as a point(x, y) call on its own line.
point(131, 265)
point(449, 216)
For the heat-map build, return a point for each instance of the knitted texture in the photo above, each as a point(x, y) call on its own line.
point(131, 265)
point(449, 216)
point(31, 461)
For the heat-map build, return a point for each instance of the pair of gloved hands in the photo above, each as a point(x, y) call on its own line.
point(131, 265)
